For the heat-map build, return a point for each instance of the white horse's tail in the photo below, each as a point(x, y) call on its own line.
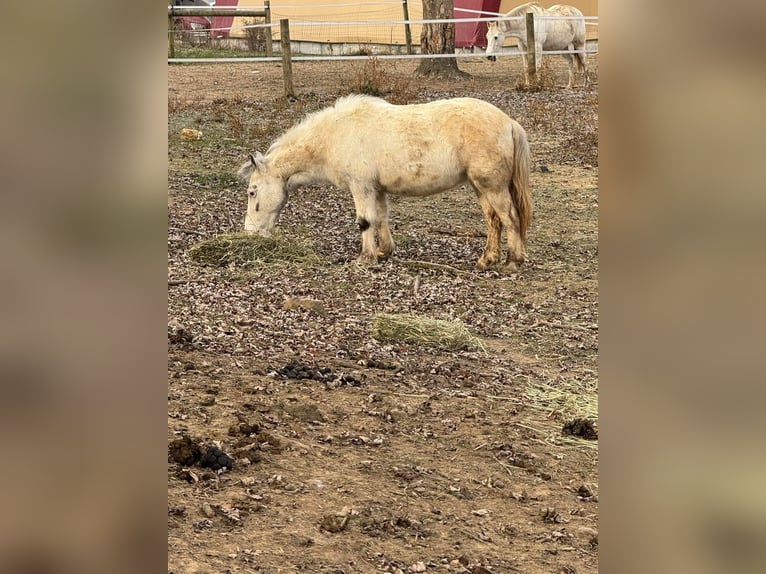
point(580, 59)
point(519, 187)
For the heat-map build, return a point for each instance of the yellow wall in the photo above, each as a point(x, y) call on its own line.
point(308, 12)
point(375, 33)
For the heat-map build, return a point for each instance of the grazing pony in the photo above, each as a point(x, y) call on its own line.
point(374, 149)
point(564, 34)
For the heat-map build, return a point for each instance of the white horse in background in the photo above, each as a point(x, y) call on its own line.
point(375, 149)
point(564, 34)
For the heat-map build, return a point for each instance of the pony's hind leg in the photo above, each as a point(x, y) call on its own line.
point(516, 252)
point(492, 252)
point(500, 202)
point(385, 241)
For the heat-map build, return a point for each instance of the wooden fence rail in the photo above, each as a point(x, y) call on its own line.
point(179, 11)
point(284, 25)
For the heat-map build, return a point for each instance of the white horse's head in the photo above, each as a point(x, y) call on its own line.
point(266, 195)
point(495, 40)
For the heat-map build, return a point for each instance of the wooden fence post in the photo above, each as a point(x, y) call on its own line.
point(267, 20)
point(531, 54)
point(407, 31)
point(287, 61)
point(171, 38)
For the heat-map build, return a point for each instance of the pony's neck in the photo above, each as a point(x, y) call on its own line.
point(293, 160)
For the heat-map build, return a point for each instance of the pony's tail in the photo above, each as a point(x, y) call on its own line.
point(519, 188)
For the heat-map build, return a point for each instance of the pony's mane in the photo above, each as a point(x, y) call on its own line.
point(308, 123)
point(524, 8)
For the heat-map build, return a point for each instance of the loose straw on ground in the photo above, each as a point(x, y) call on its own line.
point(251, 250)
point(437, 333)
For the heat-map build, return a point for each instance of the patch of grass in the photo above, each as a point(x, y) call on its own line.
point(245, 250)
point(437, 333)
point(216, 180)
point(210, 52)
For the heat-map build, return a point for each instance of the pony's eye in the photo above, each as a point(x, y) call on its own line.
point(251, 193)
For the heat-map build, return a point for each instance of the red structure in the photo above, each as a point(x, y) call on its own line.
point(223, 21)
point(473, 34)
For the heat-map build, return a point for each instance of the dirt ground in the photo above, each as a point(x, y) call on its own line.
point(351, 455)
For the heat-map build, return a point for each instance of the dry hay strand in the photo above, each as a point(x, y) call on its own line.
point(245, 250)
point(564, 401)
point(437, 333)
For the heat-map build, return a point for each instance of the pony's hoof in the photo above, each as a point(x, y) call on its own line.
point(510, 267)
point(485, 263)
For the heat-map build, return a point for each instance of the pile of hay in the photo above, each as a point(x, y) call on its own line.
point(564, 400)
point(246, 250)
point(406, 328)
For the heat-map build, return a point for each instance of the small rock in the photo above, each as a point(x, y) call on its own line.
point(207, 510)
point(418, 567)
point(178, 334)
point(587, 532)
point(585, 491)
point(334, 522)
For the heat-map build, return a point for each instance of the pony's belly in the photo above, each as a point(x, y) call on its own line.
point(422, 183)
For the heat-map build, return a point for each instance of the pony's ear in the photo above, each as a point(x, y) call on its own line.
point(245, 170)
point(257, 161)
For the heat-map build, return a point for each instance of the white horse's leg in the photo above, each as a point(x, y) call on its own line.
point(538, 55)
point(385, 241)
point(581, 61)
point(368, 220)
point(570, 61)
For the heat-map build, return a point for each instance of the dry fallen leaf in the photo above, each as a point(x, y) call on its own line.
point(190, 134)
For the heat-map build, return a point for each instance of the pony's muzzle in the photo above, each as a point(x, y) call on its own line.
point(252, 229)
point(257, 232)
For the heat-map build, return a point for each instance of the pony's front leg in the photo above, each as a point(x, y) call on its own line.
point(369, 221)
point(385, 241)
point(570, 60)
